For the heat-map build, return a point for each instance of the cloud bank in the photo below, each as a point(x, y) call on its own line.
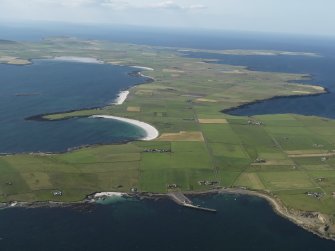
point(298, 16)
point(113, 4)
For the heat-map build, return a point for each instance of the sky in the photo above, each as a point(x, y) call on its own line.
point(284, 16)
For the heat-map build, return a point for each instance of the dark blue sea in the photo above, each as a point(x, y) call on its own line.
point(242, 222)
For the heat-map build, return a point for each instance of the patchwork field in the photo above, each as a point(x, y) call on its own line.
point(227, 155)
point(133, 109)
point(213, 121)
point(182, 136)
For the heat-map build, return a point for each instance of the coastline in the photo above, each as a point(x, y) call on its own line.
point(9, 60)
point(152, 132)
point(140, 74)
point(310, 221)
point(313, 222)
point(142, 68)
point(229, 110)
point(251, 52)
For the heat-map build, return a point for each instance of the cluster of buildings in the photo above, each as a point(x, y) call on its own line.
point(172, 186)
point(320, 179)
point(316, 195)
point(207, 183)
point(260, 160)
point(318, 145)
point(255, 122)
point(57, 193)
point(134, 190)
point(156, 151)
point(323, 159)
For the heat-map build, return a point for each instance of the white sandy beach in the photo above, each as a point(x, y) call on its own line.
point(143, 76)
point(142, 68)
point(78, 59)
point(151, 131)
point(122, 96)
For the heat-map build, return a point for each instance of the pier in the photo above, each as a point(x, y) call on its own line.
point(182, 200)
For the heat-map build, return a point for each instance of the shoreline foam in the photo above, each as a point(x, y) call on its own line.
point(108, 194)
point(152, 132)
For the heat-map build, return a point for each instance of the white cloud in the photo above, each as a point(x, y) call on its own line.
point(262, 15)
point(160, 5)
point(74, 3)
point(197, 7)
point(64, 3)
point(114, 4)
point(171, 5)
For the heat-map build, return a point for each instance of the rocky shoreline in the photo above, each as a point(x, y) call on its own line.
point(232, 109)
point(314, 222)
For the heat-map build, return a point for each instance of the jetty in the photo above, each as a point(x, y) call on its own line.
point(182, 200)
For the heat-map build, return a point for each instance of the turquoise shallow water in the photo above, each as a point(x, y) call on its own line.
point(242, 223)
point(55, 86)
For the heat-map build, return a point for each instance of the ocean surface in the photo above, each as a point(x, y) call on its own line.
point(242, 222)
point(48, 86)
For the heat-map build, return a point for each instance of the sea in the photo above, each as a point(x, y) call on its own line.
point(241, 223)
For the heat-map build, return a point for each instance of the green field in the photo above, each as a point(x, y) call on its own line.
point(296, 152)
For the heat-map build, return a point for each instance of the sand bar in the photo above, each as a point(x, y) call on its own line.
point(86, 60)
point(14, 60)
point(151, 131)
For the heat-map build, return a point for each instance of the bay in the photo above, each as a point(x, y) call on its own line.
point(48, 86)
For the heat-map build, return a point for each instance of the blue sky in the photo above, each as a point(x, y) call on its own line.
point(289, 16)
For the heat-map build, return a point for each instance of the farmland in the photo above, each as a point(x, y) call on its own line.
point(288, 156)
